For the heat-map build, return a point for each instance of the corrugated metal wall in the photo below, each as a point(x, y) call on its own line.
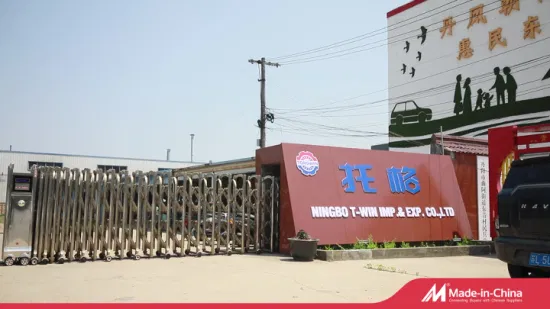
point(466, 174)
point(21, 164)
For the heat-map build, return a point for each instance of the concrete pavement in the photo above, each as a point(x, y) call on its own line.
point(248, 278)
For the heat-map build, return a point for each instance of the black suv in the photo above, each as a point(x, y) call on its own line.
point(523, 222)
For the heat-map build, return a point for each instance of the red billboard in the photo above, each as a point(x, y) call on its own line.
point(340, 195)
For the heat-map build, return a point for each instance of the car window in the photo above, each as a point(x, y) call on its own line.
point(526, 173)
point(399, 107)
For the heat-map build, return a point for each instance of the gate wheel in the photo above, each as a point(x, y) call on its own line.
point(24, 261)
point(9, 261)
point(34, 261)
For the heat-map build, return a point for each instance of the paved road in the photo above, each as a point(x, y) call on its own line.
point(248, 278)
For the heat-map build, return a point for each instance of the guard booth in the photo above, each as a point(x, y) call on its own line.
point(18, 227)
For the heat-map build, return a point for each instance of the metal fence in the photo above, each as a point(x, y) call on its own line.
point(90, 215)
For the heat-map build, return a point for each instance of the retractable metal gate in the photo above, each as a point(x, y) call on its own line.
point(88, 215)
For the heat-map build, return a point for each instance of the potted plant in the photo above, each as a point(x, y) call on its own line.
point(303, 247)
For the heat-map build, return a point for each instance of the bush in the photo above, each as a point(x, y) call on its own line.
point(389, 244)
point(302, 235)
point(464, 242)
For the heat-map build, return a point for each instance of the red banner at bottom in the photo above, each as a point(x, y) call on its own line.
point(421, 293)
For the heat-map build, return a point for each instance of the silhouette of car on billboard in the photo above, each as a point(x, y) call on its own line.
point(408, 111)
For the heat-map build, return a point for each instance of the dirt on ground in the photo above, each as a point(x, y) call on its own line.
point(237, 278)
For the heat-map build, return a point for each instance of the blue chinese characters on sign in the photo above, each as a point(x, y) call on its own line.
point(400, 180)
point(349, 180)
point(403, 180)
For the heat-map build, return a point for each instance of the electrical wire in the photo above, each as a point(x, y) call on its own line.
point(479, 79)
point(320, 107)
point(367, 35)
point(438, 90)
point(385, 42)
point(324, 129)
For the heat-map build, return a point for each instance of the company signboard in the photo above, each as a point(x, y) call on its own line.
point(356, 193)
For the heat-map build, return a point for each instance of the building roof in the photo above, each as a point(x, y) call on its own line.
point(459, 144)
point(96, 157)
point(404, 7)
point(219, 167)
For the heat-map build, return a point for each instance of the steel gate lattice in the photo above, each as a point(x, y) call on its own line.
point(88, 215)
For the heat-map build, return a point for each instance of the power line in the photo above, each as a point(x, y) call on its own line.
point(323, 109)
point(382, 90)
point(305, 126)
point(385, 42)
point(443, 89)
point(366, 35)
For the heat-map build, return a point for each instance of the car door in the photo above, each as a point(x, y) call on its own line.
point(410, 114)
point(398, 112)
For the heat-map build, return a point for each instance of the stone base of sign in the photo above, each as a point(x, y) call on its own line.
point(372, 254)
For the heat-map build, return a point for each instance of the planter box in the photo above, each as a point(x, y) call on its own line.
point(371, 254)
point(303, 249)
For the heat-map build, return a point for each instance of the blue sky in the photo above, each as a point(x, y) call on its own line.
point(133, 78)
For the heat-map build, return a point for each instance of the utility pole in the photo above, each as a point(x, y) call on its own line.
point(261, 122)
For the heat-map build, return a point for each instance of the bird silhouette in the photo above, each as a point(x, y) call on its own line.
point(412, 72)
point(419, 57)
point(547, 75)
point(407, 45)
point(423, 35)
point(404, 69)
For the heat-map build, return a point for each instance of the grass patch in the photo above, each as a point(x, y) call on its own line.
point(1, 218)
point(464, 242)
point(390, 244)
point(390, 269)
point(427, 244)
point(370, 244)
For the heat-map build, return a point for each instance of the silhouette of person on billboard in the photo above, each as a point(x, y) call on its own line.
point(500, 86)
point(458, 95)
point(467, 104)
point(511, 85)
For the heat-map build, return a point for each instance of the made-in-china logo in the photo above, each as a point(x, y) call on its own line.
point(307, 163)
point(446, 293)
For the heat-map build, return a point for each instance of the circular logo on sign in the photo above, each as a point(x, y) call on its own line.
point(307, 163)
point(21, 203)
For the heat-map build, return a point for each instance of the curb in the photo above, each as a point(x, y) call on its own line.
point(373, 254)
